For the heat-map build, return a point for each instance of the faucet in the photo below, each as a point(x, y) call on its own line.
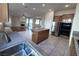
point(8, 38)
point(5, 36)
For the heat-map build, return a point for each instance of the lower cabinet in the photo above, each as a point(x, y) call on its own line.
point(72, 49)
point(39, 36)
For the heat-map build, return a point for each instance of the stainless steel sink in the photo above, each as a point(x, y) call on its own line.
point(19, 50)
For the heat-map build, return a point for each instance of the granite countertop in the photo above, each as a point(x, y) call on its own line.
point(76, 38)
point(17, 39)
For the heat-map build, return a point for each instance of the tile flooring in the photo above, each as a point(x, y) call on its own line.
point(55, 46)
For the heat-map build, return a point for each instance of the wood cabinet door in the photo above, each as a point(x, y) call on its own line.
point(57, 18)
point(3, 12)
point(0, 12)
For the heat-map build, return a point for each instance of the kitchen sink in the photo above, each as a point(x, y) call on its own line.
point(19, 50)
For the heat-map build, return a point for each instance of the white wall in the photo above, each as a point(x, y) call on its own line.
point(66, 11)
point(42, 21)
point(75, 25)
point(17, 21)
point(48, 20)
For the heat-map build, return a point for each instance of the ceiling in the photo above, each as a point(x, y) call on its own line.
point(27, 9)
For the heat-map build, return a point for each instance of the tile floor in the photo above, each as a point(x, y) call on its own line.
point(55, 46)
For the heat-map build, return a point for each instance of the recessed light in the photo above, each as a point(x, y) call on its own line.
point(50, 9)
point(0, 23)
point(34, 8)
point(66, 5)
point(23, 4)
point(43, 5)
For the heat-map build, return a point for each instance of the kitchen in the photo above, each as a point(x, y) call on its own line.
point(8, 42)
point(20, 30)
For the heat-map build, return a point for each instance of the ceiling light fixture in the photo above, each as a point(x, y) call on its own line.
point(43, 5)
point(0, 23)
point(66, 5)
point(50, 9)
point(34, 8)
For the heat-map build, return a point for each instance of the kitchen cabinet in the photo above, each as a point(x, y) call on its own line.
point(68, 16)
point(72, 50)
point(3, 12)
point(62, 17)
point(40, 35)
point(63, 24)
point(57, 18)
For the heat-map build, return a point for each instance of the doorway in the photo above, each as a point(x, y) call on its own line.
point(29, 23)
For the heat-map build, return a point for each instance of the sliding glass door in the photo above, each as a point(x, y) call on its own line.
point(29, 22)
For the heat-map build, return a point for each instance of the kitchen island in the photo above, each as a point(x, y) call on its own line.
point(39, 35)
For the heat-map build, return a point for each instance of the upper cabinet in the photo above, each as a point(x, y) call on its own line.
point(3, 12)
point(62, 18)
point(68, 16)
point(57, 18)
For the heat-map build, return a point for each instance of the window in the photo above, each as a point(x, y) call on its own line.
point(37, 21)
point(27, 20)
